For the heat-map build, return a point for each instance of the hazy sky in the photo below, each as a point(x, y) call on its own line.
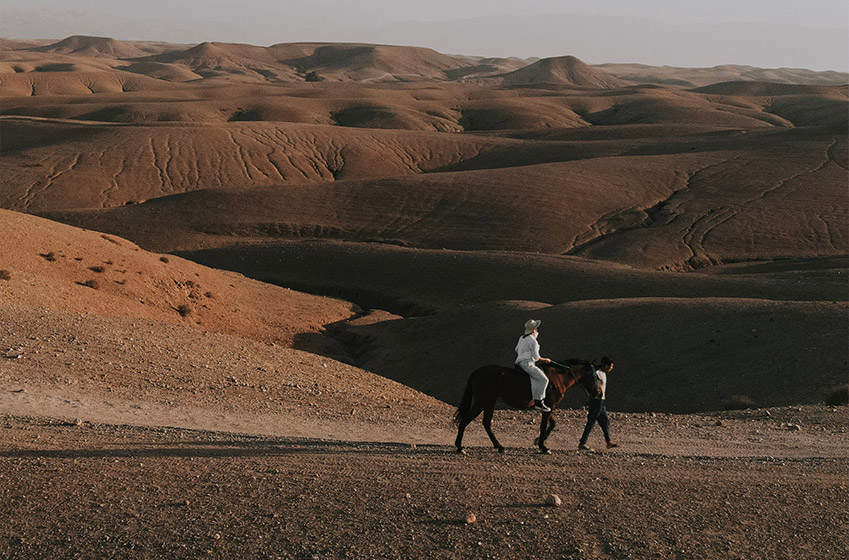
point(809, 33)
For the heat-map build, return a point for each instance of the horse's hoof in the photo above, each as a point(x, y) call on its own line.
point(545, 451)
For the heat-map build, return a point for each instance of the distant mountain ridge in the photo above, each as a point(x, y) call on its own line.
point(322, 61)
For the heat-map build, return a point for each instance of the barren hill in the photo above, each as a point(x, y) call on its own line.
point(362, 62)
point(750, 197)
point(93, 47)
point(54, 266)
point(698, 77)
point(563, 70)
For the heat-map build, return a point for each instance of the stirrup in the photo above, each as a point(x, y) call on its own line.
point(541, 406)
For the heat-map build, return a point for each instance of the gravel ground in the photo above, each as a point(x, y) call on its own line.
point(101, 491)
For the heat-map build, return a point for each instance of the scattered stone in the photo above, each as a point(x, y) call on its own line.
point(471, 518)
point(718, 423)
point(794, 427)
point(553, 500)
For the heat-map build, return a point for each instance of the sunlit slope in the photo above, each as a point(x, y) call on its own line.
point(781, 197)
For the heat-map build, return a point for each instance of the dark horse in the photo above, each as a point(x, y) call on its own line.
point(489, 383)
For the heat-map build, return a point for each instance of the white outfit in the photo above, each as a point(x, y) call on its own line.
point(527, 350)
point(602, 381)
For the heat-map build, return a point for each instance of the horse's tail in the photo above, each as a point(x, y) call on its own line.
point(466, 403)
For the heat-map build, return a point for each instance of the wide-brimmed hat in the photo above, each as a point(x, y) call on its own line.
point(531, 325)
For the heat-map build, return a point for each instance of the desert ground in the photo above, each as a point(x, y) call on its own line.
point(242, 289)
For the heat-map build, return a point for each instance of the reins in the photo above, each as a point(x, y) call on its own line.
point(569, 369)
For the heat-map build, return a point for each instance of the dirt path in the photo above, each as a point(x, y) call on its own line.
point(99, 491)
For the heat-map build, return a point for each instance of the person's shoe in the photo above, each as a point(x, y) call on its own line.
point(611, 445)
point(541, 406)
point(585, 447)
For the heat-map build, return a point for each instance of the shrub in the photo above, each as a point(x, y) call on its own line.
point(838, 396)
point(313, 76)
point(96, 268)
point(164, 259)
point(738, 402)
point(183, 310)
point(208, 294)
point(93, 284)
point(50, 257)
point(5, 275)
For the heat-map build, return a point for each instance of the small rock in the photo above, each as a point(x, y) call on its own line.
point(553, 500)
point(794, 427)
point(718, 423)
point(216, 536)
point(471, 518)
point(78, 422)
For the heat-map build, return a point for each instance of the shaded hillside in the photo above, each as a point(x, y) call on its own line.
point(671, 355)
point(408, 281)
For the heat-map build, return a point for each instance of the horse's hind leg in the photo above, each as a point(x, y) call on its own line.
point(545, 427)
point(461, 428)
point(487, 424)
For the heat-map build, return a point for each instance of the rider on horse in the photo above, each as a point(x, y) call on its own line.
point(527, 350)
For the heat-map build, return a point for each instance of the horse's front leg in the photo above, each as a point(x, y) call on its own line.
point(545, 427)
point(487, 425)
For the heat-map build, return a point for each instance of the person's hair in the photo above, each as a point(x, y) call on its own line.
point(605, 361)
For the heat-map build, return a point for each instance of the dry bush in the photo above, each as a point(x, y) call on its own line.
point(208, 294)
point(838, 396)
point(50, 257)
point(5, 275)
point(738, 402)
point(183, 310)
point(164, 259)
point(93, 284)
point(96, 268)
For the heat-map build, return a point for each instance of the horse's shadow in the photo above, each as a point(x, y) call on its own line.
point(227, 449)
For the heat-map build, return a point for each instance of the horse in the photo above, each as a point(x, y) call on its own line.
point(489, 383)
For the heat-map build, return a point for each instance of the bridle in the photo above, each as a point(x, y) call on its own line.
point(571, 373)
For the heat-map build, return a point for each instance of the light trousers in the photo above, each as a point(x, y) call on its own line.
point(539, 382)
